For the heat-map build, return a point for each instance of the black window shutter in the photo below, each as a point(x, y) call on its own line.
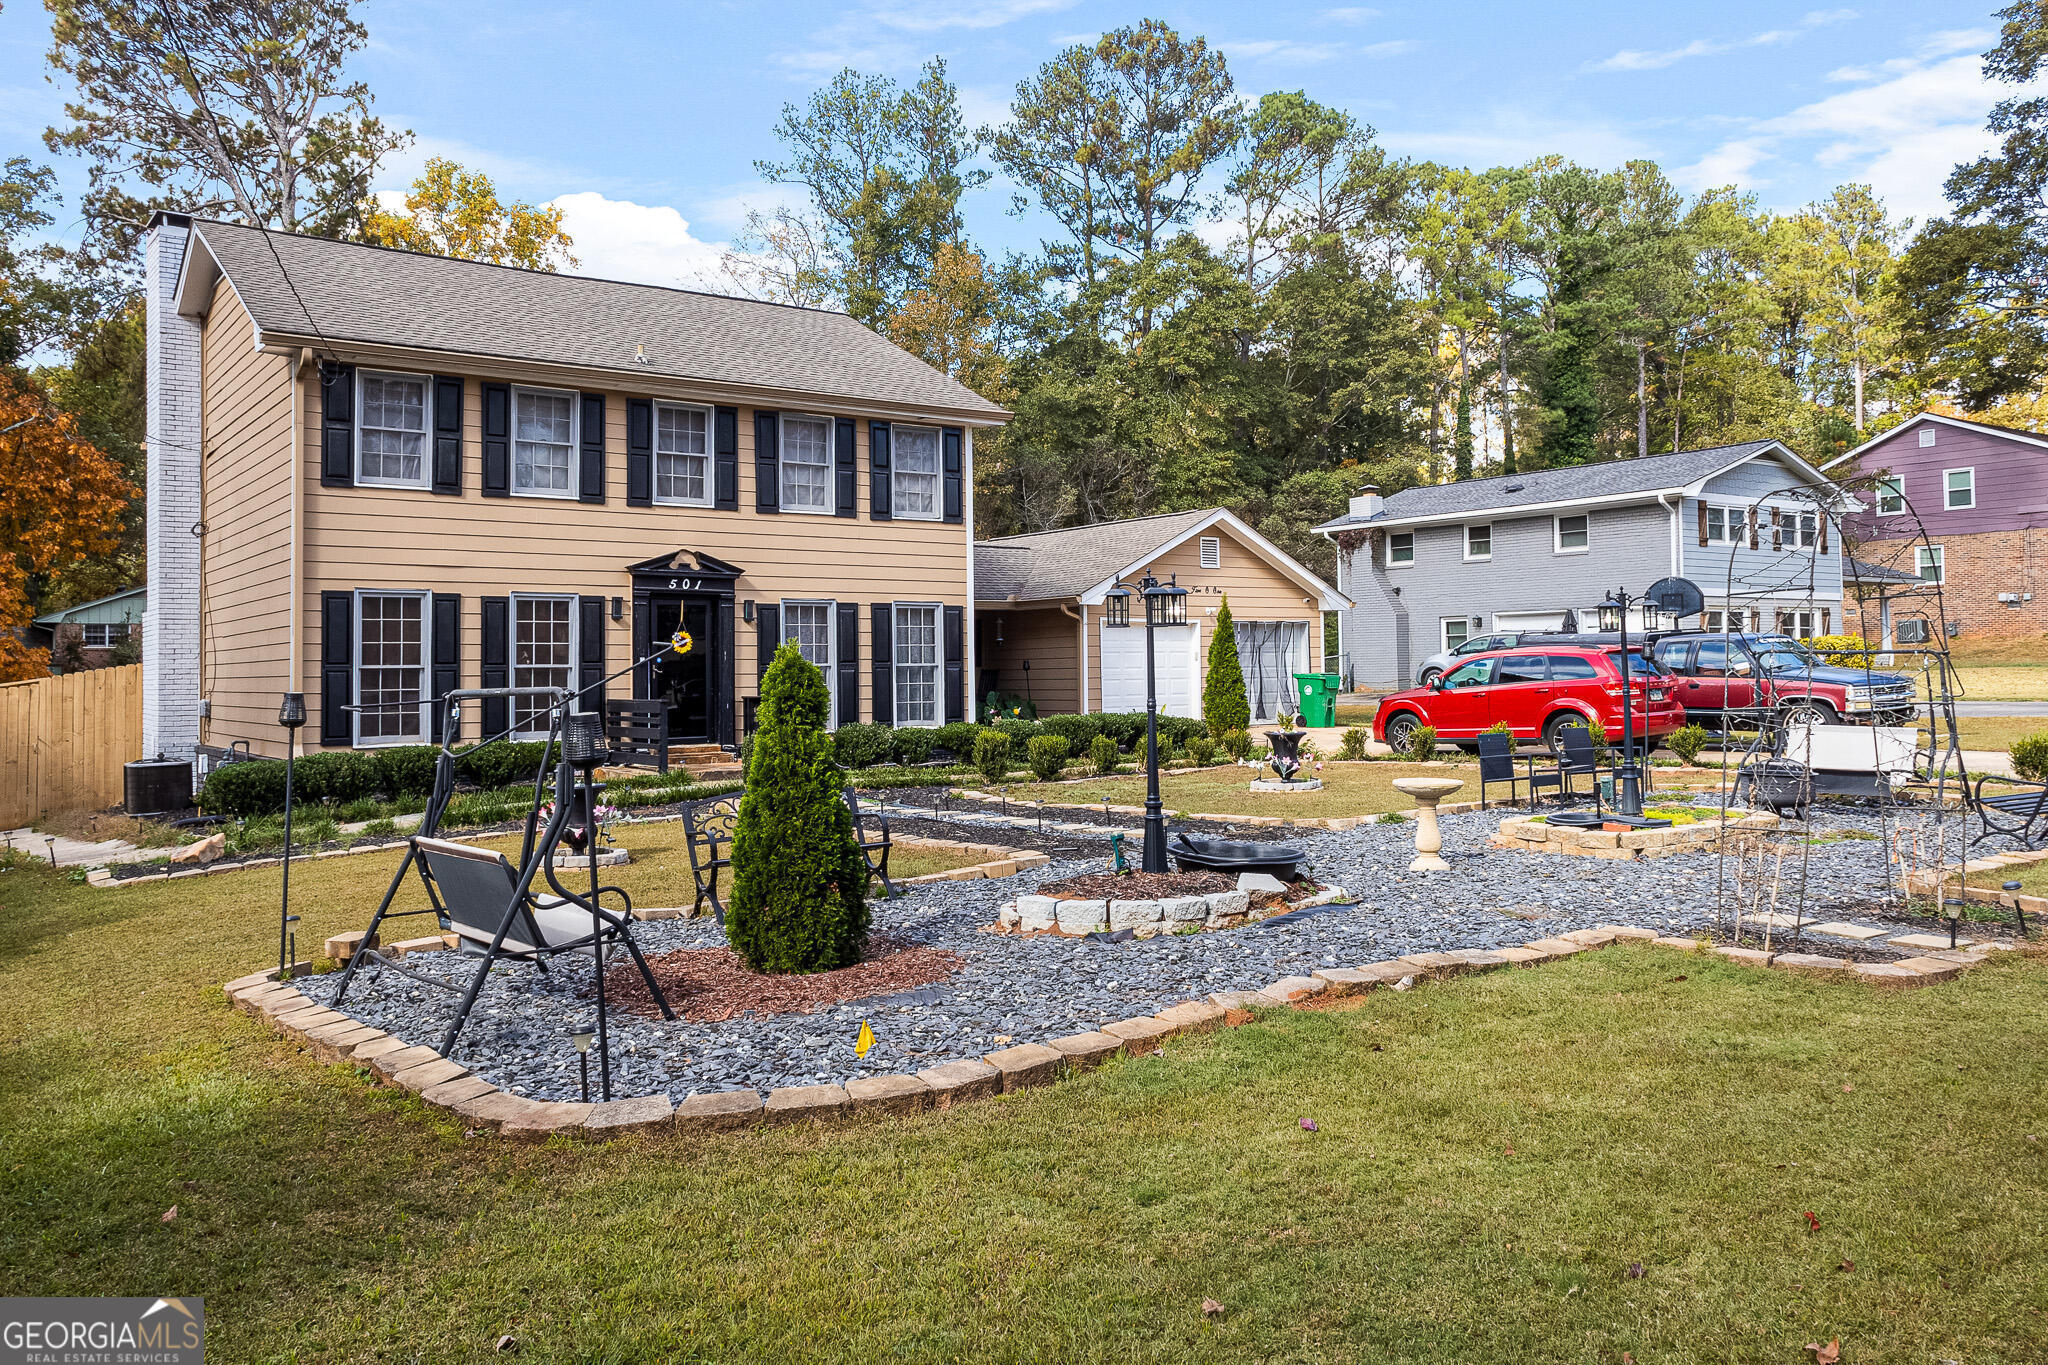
point(590, 654)
point(956, 664)
point(337, 426)
point(847, 663)
point(767, 636)
point(337, 674)
point(590, 434)
point(639, 452)
point(447, 652)
point(1703, 523)
point(767, 451)
point(497, 428)
point(878, 471)
point(881, 631)
point(845, 495)
point(725, 459)
point(496, 662)
point(448, 434)
point(950, 441)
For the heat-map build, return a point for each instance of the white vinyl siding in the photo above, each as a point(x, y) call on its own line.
point(806, 464)
point(543, 655)
point(810, 625)
point(682, 455)
point(914, 456)
point(391, 667)
point(544, 443)
point(915, 658)
point(392, 415)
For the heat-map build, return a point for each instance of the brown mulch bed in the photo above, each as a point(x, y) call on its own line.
point(1138, 886)
point(705, 985)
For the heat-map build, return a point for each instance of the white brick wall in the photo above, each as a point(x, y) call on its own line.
point(170, 627)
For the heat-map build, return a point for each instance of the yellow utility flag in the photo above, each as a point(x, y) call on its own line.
point(865, 1041)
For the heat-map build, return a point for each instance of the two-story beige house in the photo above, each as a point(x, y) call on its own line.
point(376, 476)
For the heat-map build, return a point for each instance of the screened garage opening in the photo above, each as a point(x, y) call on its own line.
point(1271, 653)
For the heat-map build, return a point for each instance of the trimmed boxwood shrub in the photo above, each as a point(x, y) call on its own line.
point(503, 763)
point(1237, 743)
point(860, 745)
point(2030, 756)
point(245, 789)
point(799, 882)
point(912, 745)
point(1202, 750)
point(1103, 754)
point(1422, 743)
point(407, 770)
point(1180, 729)
point(1019, 730)
point(1127, 728)
point(957, 739)
point(992, 755)
point(339, 776)
point(1687, 741)
point(1077, 730)
point(1046, 755)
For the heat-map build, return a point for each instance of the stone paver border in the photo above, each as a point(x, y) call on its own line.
point(446, 1084)
point(1530, 834)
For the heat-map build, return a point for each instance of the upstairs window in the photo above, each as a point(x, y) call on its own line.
point(914, 473)
point(1961, 487)
point(1400, 548)
point(544, 442)
point(1726, 526)
point(1572, 535)
point(806, 464)
point(1891, 496)
point(1808, 531)
point(682, 454)
point(1479, 542)
point(391, 429)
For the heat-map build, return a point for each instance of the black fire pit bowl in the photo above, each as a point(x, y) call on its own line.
point(1196, 854)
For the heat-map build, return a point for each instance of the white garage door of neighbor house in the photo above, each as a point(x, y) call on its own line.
point(1123, 669)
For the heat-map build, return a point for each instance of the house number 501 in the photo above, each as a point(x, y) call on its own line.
point(685, 584)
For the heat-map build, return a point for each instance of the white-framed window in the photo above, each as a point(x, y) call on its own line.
point(914, 473)
point(1455, 631)
point(543, 655)
point(392, 415)
point(391, 667)
point(1212, 552)
point(1806, 532)
point(1928, 563)
point(1479, 542)
point(914, 655)
point(810, 625)
point(682, 454)
point(1797, 624)
point(1572, 535)
point(1926, 436)
point(1891, 495)
point(1400, 549)
point(103, 634)
point(544, 442)
point(1726, 525)
point(806, 464)
point(1959, 487)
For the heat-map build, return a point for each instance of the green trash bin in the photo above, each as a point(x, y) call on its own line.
point(1318, 692)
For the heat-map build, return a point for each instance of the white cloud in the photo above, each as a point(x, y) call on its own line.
point(1392, 48)
point(932, 16)
point(1280, 50)
point(864, 38)
point(1510, 136)
point(1350, 14)
point(1633, 59)
point(616, 239)
point(1902, 130)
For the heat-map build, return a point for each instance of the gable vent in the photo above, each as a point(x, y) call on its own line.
point(1212, 552)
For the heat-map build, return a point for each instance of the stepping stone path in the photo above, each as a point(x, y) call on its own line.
point(1935, 942)
point(1861, 933)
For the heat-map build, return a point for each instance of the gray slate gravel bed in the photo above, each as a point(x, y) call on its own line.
point(1014, 990)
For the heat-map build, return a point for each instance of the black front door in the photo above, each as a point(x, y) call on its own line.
point(684, 680)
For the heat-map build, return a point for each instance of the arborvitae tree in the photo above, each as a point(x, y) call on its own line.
point(1224, 706)
point(799, 882)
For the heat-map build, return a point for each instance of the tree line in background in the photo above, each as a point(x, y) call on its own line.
point(1248, 305)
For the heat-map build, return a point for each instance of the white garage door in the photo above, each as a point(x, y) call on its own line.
point(1123, 669)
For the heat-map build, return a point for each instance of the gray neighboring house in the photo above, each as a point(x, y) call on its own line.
point(1431, 567)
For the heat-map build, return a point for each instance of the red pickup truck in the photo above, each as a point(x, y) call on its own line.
point(1537, 690)
point(1727, 680)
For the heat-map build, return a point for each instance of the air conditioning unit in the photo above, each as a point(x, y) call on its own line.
point(2011, 599)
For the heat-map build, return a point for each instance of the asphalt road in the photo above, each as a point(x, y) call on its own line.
point(2002, 708)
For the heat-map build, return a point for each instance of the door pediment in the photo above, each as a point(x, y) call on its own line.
point(685, 571)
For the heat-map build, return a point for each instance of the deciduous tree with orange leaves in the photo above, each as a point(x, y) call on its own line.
point(61, 501)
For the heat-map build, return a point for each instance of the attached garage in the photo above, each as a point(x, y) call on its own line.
point(1123, 669)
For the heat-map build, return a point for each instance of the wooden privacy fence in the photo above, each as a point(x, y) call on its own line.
point(63, 741)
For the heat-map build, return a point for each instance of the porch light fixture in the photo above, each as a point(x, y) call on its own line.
point(1116, 606)
point(747, 611)
point(618, 609)
point(1610, 615)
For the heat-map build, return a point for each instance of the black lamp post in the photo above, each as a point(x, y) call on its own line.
point(1166, 604)
point(291, 714)
point(1628, 794)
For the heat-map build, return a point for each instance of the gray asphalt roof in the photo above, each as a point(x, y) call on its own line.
point(347, 292)
point(1864, 572)
point(1057, 564)
point(1504, 492)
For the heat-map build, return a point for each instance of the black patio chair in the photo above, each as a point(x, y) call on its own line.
point(875, 847)
point(1497, 764)
point(2020, 815)
point(1576, 757)
point(708, 828)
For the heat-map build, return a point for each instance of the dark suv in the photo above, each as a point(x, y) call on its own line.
point(1730, 679)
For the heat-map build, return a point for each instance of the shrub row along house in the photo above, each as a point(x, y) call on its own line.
point(376, 477)
point(1432, 567)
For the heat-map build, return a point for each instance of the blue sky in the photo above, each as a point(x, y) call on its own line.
point(645, 120)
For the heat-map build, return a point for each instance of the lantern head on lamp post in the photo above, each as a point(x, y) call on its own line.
point(291, 714)
point(1116, 607)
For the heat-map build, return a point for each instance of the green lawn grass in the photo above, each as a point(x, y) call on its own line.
point(1348, 789)
point(1494, 1156)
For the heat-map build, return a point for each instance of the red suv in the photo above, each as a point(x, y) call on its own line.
point(1537, 691)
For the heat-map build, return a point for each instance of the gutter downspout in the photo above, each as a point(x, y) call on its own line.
point(1082, 617)
point(1672, 508)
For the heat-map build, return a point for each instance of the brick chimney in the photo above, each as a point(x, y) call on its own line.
point(170, 625)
